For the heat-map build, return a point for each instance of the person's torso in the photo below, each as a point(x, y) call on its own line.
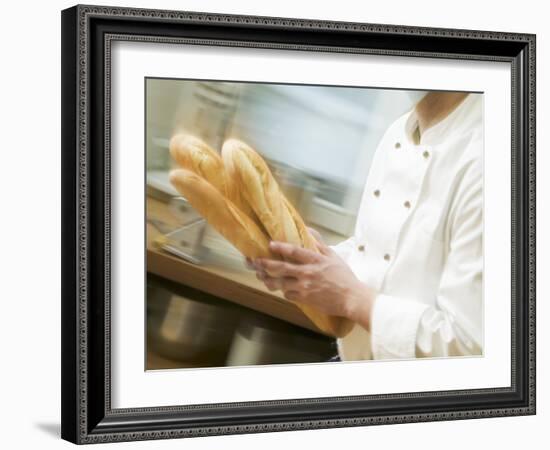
point(403, 229)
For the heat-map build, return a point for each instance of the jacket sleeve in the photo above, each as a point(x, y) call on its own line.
point(407, 329)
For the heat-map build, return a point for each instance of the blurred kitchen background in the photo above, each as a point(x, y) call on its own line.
point(204, 308)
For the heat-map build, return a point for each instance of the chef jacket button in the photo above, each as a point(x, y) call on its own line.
point(426, 154)
point(398, 145)
point(377, 193)
point(387, 257)
point(407, 204)
point(361, 248)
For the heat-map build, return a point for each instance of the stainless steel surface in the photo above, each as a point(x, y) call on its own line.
point(200, 330)
point(188, 329)
point(160, 225)
point(186, 242)
point(260, 340)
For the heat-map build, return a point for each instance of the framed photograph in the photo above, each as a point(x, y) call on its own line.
point(279, 224)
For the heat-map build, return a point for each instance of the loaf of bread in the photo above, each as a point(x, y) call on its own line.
point(222, 214)
point(194, 154)
point(260, 189)
point(306, 239)
point(279, 218)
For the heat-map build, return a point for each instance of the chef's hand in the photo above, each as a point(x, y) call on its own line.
point(321, 280)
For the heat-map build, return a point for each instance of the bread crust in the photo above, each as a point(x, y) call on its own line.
point(278, 216)
point(222, 214)
point(194, 154)
point(261, 191)
point(238, 196)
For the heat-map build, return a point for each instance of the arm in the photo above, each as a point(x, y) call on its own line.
point(322, 280)
point(400, 328)
point(407, 329)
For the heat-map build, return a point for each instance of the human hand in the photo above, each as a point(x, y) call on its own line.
point(321, 280)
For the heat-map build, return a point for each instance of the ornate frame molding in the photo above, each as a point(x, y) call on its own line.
point(79, 428)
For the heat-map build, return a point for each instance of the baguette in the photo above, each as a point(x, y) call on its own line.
point(279, 218)
point(260, 189)
point(233, 191)
point(222, 214)
point(193, 154)
point(307, 240)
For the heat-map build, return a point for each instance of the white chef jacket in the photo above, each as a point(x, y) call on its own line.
point(418, 240)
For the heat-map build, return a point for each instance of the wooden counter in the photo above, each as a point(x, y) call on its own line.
point(221, 277)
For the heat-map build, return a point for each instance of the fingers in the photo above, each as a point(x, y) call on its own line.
point(323, 248)
point(271, 283)
point(274, 283)
point(276, 268)
point(315, 234)
point(293, 253)
point(249, 263)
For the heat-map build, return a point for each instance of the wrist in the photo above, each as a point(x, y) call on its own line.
point(360, 305)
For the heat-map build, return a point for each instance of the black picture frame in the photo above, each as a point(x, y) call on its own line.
point(87, 32)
